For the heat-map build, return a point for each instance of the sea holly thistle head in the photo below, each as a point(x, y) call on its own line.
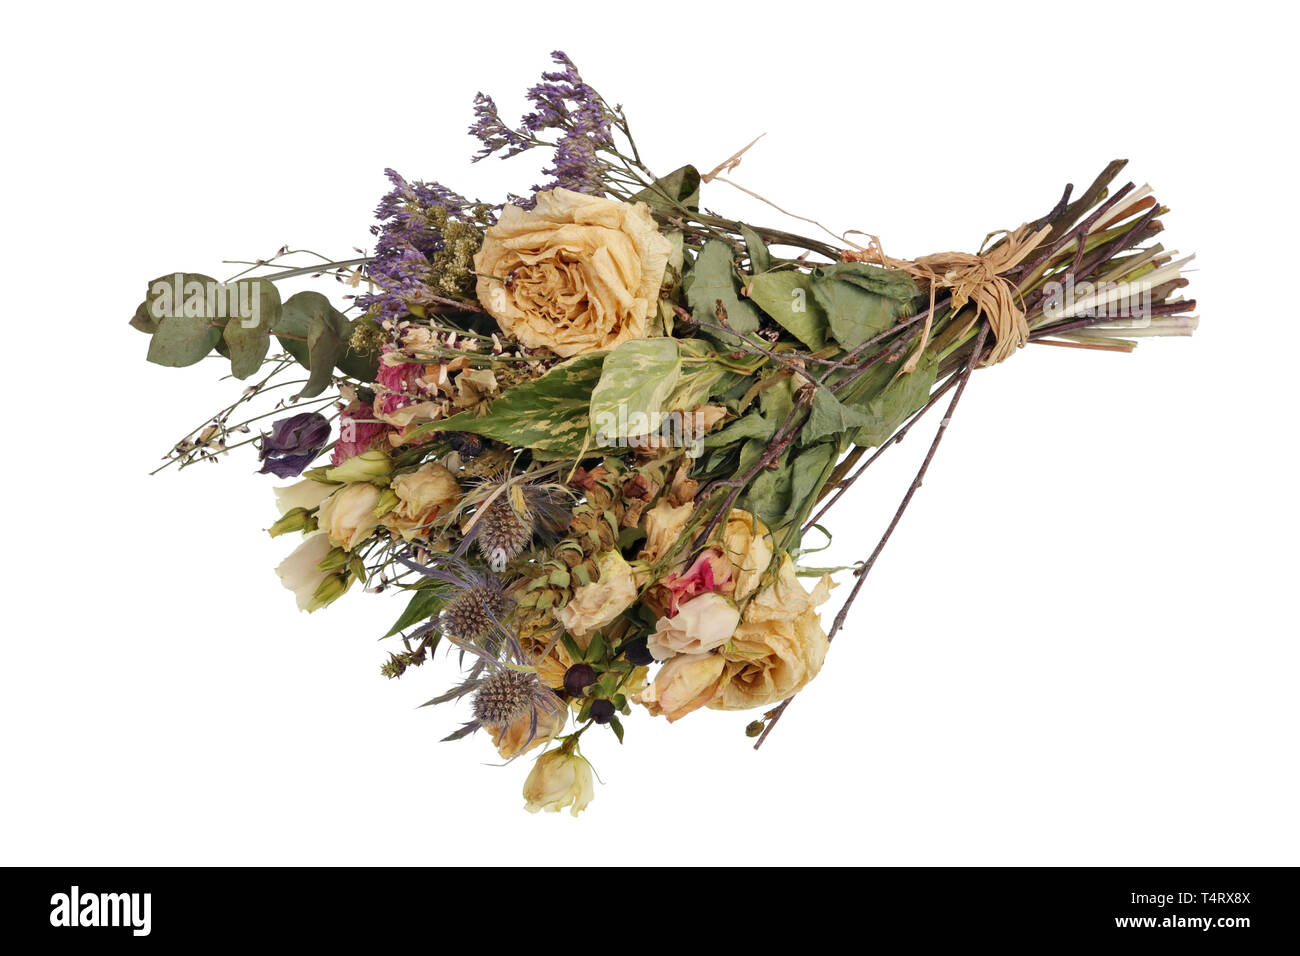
point(510, 512)
point(504, 688)
point(476, 610)
point(477, 605)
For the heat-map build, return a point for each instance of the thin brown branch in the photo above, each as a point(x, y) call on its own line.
point(972, 363)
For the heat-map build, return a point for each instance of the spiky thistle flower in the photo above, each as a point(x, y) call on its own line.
point(475, 610)
point(504, 530)
point(504, 697)
point(510, 513)
point(478, 604)
point(504, 690)
point(503, 676)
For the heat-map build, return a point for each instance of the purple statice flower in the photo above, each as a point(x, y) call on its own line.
point(292, 444)
point(564, 102)
point(492, 131)
point(408, 237)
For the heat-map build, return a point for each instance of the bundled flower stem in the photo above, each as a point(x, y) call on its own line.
point(587, 429)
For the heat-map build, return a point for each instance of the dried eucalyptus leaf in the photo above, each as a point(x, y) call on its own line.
point(248, 339)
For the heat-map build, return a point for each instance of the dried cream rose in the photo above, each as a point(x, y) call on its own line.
point(422, 495)
point(513, 740)
point(779, 645)
point(559, 780)
point(700, 625)
point(348, 515)
point(574, 274)
point(663, 526)
point(685, 683)
point(747, 547)
point(596, 604)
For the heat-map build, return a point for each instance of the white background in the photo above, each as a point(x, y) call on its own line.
point(1080, 647)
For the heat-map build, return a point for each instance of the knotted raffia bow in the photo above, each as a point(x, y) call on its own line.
point(974, 278)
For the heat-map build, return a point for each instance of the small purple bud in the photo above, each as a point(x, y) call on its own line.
point(602, 711)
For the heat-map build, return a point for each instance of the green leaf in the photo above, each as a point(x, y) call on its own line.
point(295, 321)
point(774, 405)
point(617, 726)
point(637, 378)
point(760, 259)
point(752, 425)
point(247, 347)
point(861, 300)
point(890, 283)
point(854, 314)
point(807, 475)
point(306, 311)
point(779, 495)
point(176, 308)
point(424, 604)
point(712, 282)
point(143, 319)
point(248, 340)
point(787, 297)
point(327, 342)
point(702, 375)
point(768, 495)
point(829, 417)
point(896, 401)
point(182, 340)
point(548, 414)
point(571, 646)
point(362, 366)
point(668, 194)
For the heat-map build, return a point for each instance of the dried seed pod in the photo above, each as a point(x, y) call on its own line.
point(471, 613)
point(503, 532)
point(504, 697)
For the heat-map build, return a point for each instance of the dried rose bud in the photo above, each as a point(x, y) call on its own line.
point(602, 711)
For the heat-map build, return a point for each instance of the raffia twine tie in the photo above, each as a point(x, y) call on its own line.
point(976, 279)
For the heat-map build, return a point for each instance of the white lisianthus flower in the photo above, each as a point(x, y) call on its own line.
point(302, 494)
point(299, 572)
